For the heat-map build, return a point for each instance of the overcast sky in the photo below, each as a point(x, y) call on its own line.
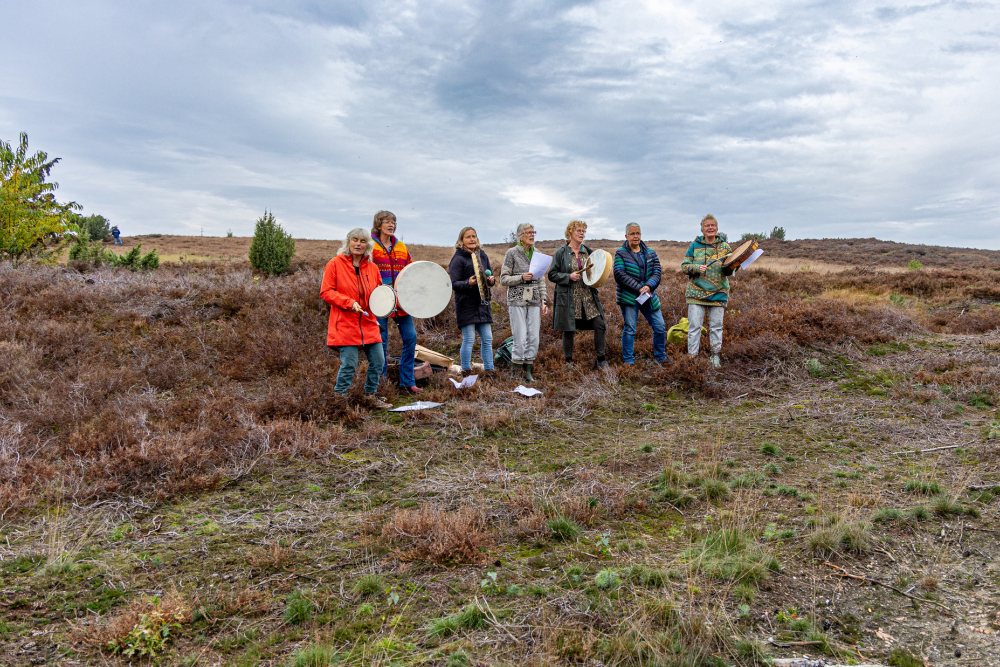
point(830, 119)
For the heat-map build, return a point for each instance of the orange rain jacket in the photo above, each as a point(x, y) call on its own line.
point(341, 288)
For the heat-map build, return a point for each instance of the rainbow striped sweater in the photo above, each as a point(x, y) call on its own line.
point(390, 261)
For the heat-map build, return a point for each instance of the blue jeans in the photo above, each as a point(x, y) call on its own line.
point(485, 345)
point(409, 335)
point(349, 364)
point(630, 315)
point(118, 240)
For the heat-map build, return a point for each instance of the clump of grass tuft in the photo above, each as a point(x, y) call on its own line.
point(439, 536)
point(564, 529)
point(731, 554)
point(470, 618)
point(299, 609)
point(314, 655)
point(607, 579)
point(923, 487)
point(750, 651)
point(943, 506)
point(852, 536)
point(676, 496)
point(750, 479)
point(646, 576)
point(900, 657)
point(887, 515)
point(773, 469)
point(715, 489)
point(370, 584)
point(769, 449)
point(919, 513)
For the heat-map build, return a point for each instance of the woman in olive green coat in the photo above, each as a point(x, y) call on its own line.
point(577, 306)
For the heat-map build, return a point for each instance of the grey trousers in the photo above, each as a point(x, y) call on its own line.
point(696, 318)
point(524, 324)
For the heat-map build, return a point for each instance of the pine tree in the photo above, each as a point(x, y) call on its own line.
point(272, 248)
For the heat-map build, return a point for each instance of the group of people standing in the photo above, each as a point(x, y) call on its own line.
point(368, 259)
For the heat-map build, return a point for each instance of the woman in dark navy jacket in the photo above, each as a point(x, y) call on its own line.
point(472, 310)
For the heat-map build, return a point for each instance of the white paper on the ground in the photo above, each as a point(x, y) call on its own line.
point(419, 405)
point(467, 382)
point(525, 391)
point(643, 298)
point(752, 258)
point(539, 264)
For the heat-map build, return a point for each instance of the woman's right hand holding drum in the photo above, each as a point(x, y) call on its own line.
point(574, 276)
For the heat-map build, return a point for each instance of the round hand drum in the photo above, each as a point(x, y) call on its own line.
point(739, 255)
point(601, 270)
point(382, 301)
point(423, 289)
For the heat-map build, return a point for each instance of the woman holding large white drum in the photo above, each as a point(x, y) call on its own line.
point(391, 257)
point(526, 300)
point(471, 278)
point(348, 281)
point(577, 306)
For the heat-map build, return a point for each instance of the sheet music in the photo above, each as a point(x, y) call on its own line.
point(643, 298)
point(539, 265)
point(467, 382)
point(752, 258)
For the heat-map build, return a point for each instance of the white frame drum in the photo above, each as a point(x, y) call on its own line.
point(382, 301)
point(423, 289)
point(602, 269)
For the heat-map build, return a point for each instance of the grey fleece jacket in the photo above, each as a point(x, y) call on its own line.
point(515, 264)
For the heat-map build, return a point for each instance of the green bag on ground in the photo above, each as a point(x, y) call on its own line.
point(678, 334)
point(503, 356)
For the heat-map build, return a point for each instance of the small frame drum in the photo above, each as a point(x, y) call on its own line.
point(739, 255)
point(382, 301)
point(423, 289)
point(601, 268)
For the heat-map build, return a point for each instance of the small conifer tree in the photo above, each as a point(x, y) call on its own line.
point(272, 248)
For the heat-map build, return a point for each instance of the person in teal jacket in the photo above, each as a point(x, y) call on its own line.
point(708, 287)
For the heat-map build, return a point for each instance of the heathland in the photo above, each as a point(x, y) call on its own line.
point(177, 476)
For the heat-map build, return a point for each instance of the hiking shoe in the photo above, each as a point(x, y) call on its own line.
point(527, 374)
point(380, 402)
point(714, 360)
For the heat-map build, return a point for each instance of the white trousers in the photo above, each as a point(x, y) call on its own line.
point(524, 324)
point(696, 318)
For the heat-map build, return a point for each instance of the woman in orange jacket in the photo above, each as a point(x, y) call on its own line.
point(348, 281)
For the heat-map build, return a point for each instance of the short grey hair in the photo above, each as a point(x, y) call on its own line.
point(522, 228)
point(357, 233)
point(630, 226)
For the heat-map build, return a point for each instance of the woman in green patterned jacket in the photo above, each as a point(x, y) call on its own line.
point(708, 287)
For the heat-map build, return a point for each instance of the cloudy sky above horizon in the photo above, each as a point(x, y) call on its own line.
point(830, 119)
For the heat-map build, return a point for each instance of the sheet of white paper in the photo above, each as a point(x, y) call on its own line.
point(643, 298)
point(525, 391)
point(467, 382)
point(539, 264)
point(752, 258)
point(419, 405)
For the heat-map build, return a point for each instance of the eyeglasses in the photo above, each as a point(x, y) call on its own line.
point(528, 233)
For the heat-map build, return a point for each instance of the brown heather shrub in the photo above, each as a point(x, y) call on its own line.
point(172, 608)
point(433, 534)
point(274, 556)
point(242, 600)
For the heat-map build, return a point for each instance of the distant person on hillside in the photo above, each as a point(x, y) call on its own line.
point(637, 275)
point(116, 234)
point(577, 305)
point(348, 281)
point(708, 287)
point(391, 257)
point(472, 278)
point(526, 301)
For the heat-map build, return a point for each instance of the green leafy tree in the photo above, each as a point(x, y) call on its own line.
point(778, 233)
point(29, 211)
point(272, 248)
point(97, 227)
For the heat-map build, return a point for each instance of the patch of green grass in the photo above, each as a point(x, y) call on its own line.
point(644, 575)
point(298, 609)
point(538, 590)
point(715, 489)
point(750, 479)
point(923, 487)
point(840, 537)
point(564, 529)
point(607, 579)
point(887, 515)
point(789, 491)
point(981, 399)
point(370, 584)
point(458, 659)
point(676, 496)
point(315, 655)
point(984, 496)
point(900, 657)
point(773, 469)
point(944, 506)
point(646, 449)
point(731, 555)
point(919, 513)
point(470, 618)
point(769, 449)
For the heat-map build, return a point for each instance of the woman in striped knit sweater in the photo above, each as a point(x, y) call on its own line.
point(390, 257)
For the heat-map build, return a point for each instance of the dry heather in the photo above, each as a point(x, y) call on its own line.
point(160, 384)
